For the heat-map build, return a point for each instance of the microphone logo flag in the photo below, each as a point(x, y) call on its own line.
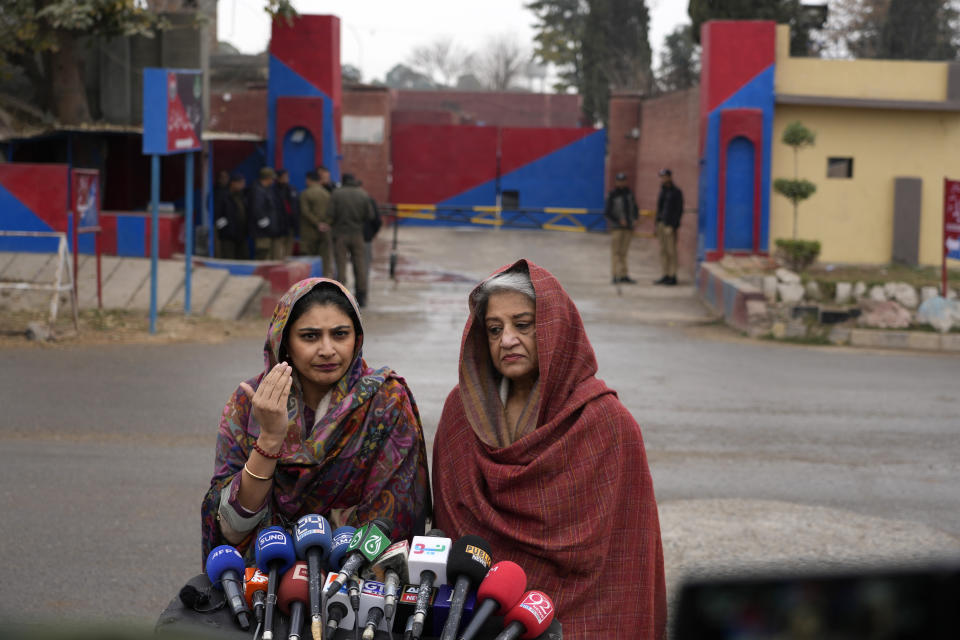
point(421, 548)
point(374, 544)
point(478, 554)
point(357, 537)
point(539, 606)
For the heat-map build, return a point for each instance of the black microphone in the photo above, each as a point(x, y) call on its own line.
point(428, 561)
point(467, 564)
point(339, 615)
point(368, 542)
point(225, 567)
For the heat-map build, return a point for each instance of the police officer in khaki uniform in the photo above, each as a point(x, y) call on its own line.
point(621, 212)
point(316, 238)
point(350, 208)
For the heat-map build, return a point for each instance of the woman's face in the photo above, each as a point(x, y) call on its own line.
point(320, 345)
point(511, 327)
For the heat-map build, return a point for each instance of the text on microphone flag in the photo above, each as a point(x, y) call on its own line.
point(536, 604)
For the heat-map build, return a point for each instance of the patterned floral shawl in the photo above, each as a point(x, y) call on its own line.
point(571, 501)
point(365, 458)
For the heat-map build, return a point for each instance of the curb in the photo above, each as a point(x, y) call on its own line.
point(744, 308)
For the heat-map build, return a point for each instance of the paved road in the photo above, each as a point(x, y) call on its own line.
point(760, 452)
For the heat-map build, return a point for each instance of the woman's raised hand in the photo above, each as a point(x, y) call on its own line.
point(270, 405)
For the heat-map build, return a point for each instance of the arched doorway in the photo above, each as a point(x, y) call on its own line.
point(739, 194)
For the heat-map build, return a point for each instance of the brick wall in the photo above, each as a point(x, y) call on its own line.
point(494, 108)
point(367, 161)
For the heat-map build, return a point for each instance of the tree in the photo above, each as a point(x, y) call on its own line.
point(797, 190)
point(852, 29)
point(350, 74)
point(919, 30)
point(42, 38)
point(501, 62)
point(403, 77)
point(597, 45)
point(443, 60)
point(801, 18)
point(679, 61)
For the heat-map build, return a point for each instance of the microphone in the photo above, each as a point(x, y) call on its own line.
point(368, 542)
point(390, 569)
point(255, 592)
point(225, 567)
point(406, 606)
point(293, 594)
point(427, 563)
point(440, 611)
point(275, 554)
point(353, 592)
point(312, 539)
point(499, 592)
point(371, 609)
point(467, 565)
point(529, 618)
point(338, 548)
point(339, 614)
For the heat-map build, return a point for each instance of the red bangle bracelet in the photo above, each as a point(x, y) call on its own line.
point(259, 449)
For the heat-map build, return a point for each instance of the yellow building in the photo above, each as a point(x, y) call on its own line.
point(887, 134)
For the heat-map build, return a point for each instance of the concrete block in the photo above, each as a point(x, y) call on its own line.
point(87, 279)
point(950, 342)
point(877, 293)
point(756, 310)
point(859, 290)
point(787, 277)
point(923, 341)
point(6, 257)
point(123, 283)
point(812, 290)
point(169, 281)
point(844, 291)
point(25, 267)
point(234, 296)
point(928, 292)
point(282, 277)
point(839, 335)
point(267, 304)
point(790, 293)
point(770, 288)
point(206, 283)
point(880, 339)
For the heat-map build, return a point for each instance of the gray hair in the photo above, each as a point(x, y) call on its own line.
point(516, 280)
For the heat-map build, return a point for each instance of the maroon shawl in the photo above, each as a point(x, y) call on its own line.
point(571, 502)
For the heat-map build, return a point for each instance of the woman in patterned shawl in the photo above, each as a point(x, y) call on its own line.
point(317, 432)
point(539, 457)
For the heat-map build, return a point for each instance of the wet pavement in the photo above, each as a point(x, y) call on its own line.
point(761, 453)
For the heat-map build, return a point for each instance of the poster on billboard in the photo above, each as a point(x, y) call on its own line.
point(172, 111)
point(86, 197)
point(951, 218)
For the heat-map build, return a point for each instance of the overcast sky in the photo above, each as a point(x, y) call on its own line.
point(377, 34)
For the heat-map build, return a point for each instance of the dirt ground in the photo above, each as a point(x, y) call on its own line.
point(123, 327)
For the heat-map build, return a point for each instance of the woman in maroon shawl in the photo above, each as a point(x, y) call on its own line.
point(318, 431)
point(539, 457)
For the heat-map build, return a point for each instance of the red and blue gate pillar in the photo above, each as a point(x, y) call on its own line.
point(736, 127)
point(304, 96)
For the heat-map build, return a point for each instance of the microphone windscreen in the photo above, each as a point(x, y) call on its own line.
point(255, 580)
point(534, 611)
point(339, 545)
point(469, 557)
point(294, 587)
point(275, 545)
point(312, 530)
point(505, 583)
point(224, 558)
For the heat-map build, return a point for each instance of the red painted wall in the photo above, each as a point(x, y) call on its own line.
point(41, 188)
point(433, 163)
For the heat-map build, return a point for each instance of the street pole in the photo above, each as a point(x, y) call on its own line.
point(154, 236)
point(188, 237)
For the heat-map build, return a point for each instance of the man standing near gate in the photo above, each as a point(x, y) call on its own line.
point(350, 209)
point(621, 213)
point(669, 210)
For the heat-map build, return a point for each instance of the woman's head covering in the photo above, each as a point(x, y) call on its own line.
point(566, 363)
point(569, 496)
point(364, 457)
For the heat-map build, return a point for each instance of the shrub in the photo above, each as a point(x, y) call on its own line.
point(797, 254)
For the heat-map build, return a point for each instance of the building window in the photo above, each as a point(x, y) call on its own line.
point(839, 167)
